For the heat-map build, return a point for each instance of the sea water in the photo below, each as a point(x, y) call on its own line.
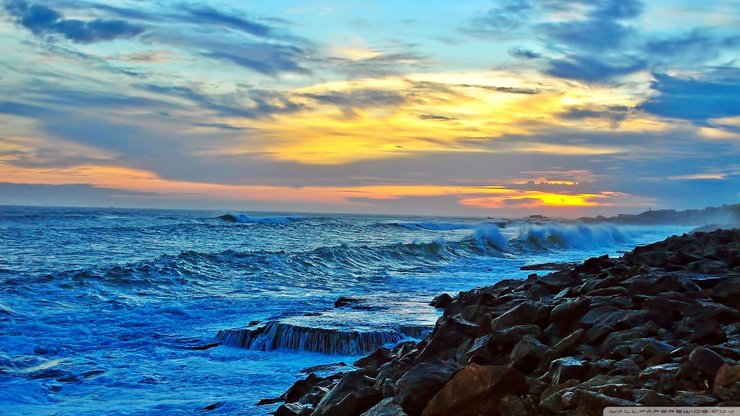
point(124, 312)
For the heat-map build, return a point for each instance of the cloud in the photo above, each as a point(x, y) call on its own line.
point(696, 99)
point(44, 21)
point(591, 69)
point(208, 15)
point(522, 53)
point(267, 59)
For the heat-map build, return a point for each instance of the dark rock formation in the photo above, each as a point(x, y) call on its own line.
point(659, 326)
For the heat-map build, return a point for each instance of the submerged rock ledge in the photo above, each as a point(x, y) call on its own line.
point(658, 326)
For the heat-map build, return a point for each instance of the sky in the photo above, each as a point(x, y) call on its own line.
point(434, 107)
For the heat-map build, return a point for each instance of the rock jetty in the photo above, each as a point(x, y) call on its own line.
point(656, 327)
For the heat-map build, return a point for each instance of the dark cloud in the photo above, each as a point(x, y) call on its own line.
point(348, 101)
point(267, 59)
point(208, 15)
point(614, 114)
point(592, 69)
point(253, 104)
point(45, 21)
point(697, 46)
point(436, 117)
point(696, 99)
point(522, 53)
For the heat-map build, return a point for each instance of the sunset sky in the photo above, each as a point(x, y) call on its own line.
point(474, 107)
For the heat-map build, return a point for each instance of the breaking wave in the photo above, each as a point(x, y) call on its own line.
point(246, 219)
point(276, 336)
point(572, 236)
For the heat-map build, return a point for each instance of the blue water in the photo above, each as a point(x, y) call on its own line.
point(100, 309)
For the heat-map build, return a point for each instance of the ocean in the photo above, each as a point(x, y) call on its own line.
point(120, 311)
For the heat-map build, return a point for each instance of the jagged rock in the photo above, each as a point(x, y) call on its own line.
point(567, 368)
point(647, 397)
point(353, 395)
point(567, 312)
point(523, 313)
point(728, 292)
point(625, 367)
point(590, 402)
point(386, 407)
point(527, 354)
point(347, 301)
point(373, 361)
point(415, 388)
point(314, 396)
point(441, 301)
point(292, 409)
point(476, 390)
point(706, 361)
point(693, 399)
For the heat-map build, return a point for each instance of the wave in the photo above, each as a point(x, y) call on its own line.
point(432, 226)
point(246, 219)
point(335, 263)
point(572, 236)
point(277, 335)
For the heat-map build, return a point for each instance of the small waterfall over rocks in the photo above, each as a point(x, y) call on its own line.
point(278, 335)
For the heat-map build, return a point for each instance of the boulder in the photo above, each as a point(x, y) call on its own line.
point(567, 368)
point(476, 390)
point(415, 388)
point(386, 407)
point(567, 312)
point(441, 301)
point(373, 361)
point(523, 313)
point(292, 409)
point(353, 395)
point(527, 354)
point(706, 361)
point(647, 397)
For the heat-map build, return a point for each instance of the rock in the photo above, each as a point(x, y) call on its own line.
point(211, 407)
point(648, 347)
point(512, 405)
point(386, 407)
point(567, 368)
point(567, 312)
point(347, 301)
point(693, 399)
point(507, 338)
point(415, 388)
point(299, 389)
point(353, 394)
point(726, 384)
point(476, 390)
point(625, 367)
point(523, 313)
point(728, 292)
point(527, 354)
point(657, 370)
point(373, 361)
point(590, 402)
point(441, 301)
point(709, 333)
point(706, 361)
point(647, 397)
point(314, 396)
point(292, 409)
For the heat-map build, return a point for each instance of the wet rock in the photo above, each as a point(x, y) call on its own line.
point(625, 367)
point(706, 361)
point(441, 301)
point(292, 409)
point(524, 313)
point(567, 312)
point(415, 388)
point(527, 354)
point(386, 407)
point(211, 407)
point(567, 368)
point(476, 390)
point(728, 292)
point(353, 394)
point(693, 399)
point(647, 397)
point(347, 301)
point(726, 384)
point(373, 361)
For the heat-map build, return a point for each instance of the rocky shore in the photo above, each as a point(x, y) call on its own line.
point(658, 326)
